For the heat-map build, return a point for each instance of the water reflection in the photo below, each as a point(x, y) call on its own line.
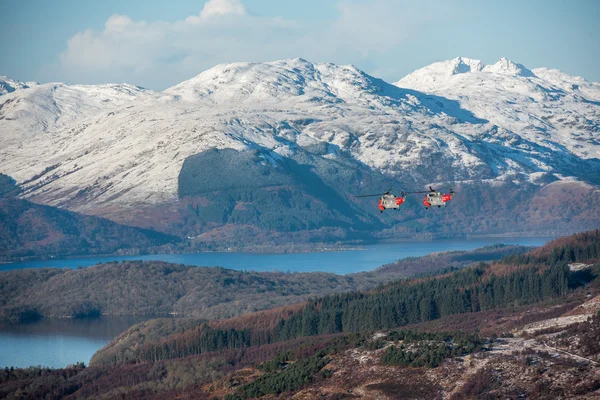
point(58, 342)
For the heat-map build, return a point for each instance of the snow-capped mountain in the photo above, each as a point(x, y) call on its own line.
point(112, 147)
point(27, 109)
point(8, 85)
point(529, 107)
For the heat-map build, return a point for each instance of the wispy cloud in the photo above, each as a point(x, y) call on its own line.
point(157, 54)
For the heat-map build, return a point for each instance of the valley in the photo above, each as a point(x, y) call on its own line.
point(471, 339)
point(270, 156)
point(158, 288)
point(321, 200)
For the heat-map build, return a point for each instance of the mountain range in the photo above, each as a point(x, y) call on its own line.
point(278, 149)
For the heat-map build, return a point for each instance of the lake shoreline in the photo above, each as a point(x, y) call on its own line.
point(50, 339)
point(248, 250)
point(340, 261)
point(58, 342)
point(302, 248)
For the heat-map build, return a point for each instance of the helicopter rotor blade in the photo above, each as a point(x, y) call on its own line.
point(376, 194)
point(371, 195)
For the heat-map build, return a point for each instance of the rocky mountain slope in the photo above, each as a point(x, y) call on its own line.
point(8, 85)
point(146, 158)
point(28, 109)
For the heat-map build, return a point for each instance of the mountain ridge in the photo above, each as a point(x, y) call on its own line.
point(492, 124)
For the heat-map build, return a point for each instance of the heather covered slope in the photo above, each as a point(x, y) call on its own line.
point(383, 365)
point(29, 230)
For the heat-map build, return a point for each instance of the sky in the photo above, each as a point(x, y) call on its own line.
point(156, 44)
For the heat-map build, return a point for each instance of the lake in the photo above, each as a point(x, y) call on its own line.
point(338, 262)
point(57, 343)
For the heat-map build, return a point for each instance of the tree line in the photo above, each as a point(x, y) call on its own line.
point(391, 306)
point(514, 281)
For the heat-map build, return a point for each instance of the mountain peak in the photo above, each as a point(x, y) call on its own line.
point(461, 65)
point(507, 67)
point(443, 70)
point(276, 81)
point(8, 85)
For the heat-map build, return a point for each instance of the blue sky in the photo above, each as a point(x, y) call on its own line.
point(155, 44)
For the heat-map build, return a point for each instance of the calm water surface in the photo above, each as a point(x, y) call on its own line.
point(338, 262)
point(57, 343)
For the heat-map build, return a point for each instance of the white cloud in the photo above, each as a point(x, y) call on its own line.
point(158, 54)
point(118, 23)
point(222, 7)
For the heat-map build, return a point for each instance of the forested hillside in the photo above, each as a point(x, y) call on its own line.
point(290, 213)
point(160, 288)
point(8, 186)
point(261, 355)
point(29, 230)
point(513, 281)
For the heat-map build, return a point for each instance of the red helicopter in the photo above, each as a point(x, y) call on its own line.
point(435, 198)
point(388, 200)
point(432, 198)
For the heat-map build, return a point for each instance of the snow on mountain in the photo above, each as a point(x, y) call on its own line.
point(109, 147)
point(542, 106)
point(575, 84)
point(295, 81)
point(26, 109)
point(507, 67)
point(8, 85)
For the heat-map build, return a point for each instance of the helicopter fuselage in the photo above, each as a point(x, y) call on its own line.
point(436, 199)
point(390, 201)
